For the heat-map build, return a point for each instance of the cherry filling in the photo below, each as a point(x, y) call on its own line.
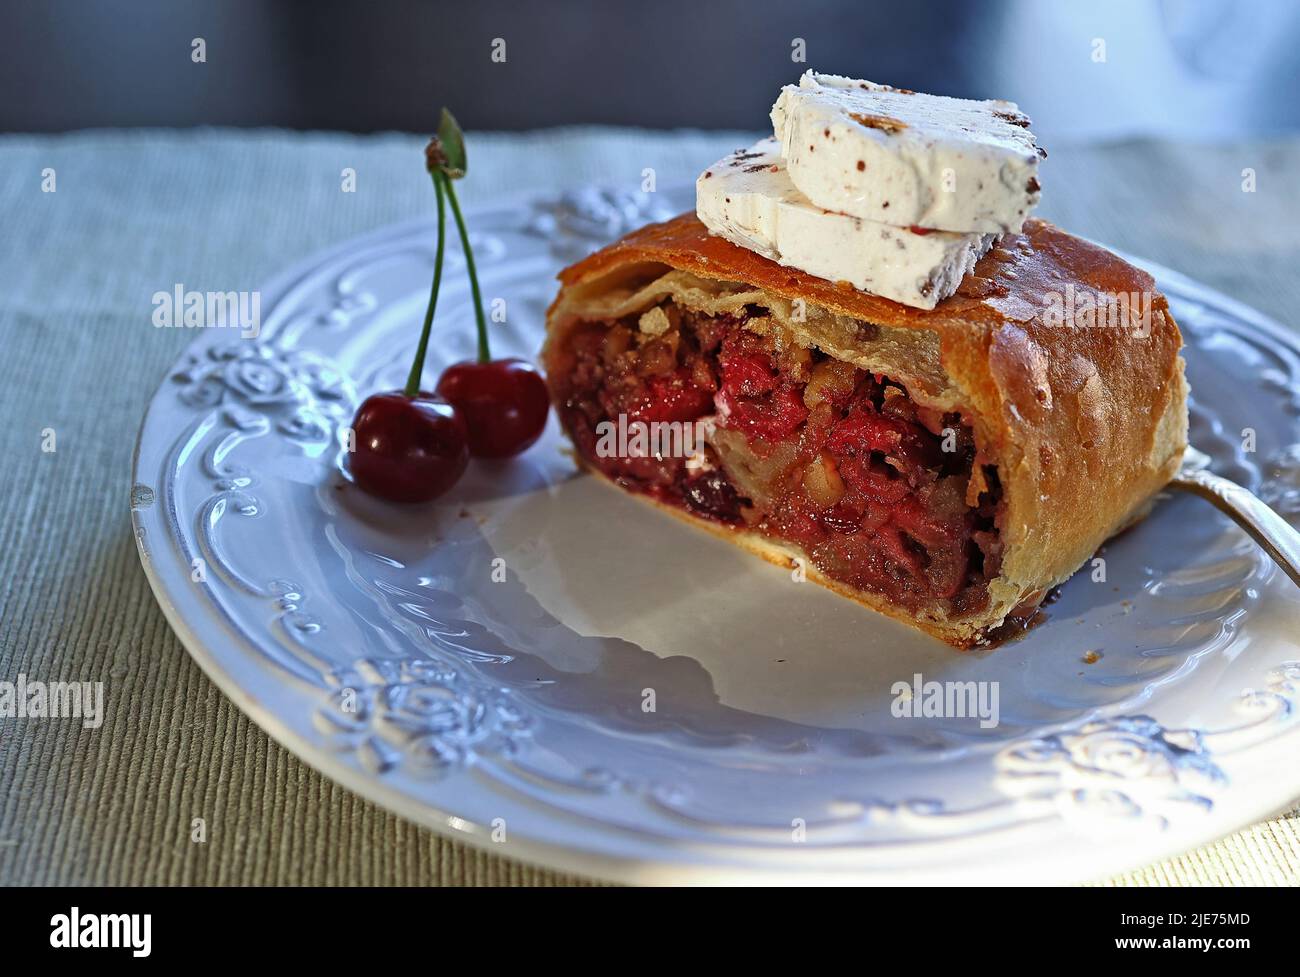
point(803, 448)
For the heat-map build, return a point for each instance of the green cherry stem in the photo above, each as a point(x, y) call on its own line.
point(417, 368)
point(484, 355)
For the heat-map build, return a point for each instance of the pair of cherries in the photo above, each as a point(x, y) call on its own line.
point(412, 445)
point(413, 449)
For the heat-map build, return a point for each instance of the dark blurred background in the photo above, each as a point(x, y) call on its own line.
point(1200, 68)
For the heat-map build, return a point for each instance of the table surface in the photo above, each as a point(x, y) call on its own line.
point(135, 212)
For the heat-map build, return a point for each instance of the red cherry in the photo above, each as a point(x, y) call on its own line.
point(504, 403)
point(408, 449)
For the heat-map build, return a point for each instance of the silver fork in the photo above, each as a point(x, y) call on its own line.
point(1279, 538)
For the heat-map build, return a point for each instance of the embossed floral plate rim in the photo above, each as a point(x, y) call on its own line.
point(223, 651)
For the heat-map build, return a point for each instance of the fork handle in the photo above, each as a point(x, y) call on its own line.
point(1278, 537)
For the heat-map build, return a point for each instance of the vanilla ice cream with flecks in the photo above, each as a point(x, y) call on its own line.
point(748, 199)
point(907, 158)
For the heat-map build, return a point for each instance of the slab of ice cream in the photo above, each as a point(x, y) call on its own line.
point(748, 199)
point(906, 158)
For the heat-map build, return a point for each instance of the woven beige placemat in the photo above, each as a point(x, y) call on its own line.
point(135, 212)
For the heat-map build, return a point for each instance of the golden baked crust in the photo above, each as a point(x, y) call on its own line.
point(1083, 424)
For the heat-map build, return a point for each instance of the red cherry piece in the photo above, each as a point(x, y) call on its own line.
point(672, 398)
point(772, 417)
point(408, 449)
point(504, 403)
point(748, 374)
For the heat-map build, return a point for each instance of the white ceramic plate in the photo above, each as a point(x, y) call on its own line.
point(382, 645)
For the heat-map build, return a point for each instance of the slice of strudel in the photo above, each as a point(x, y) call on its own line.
point(946, 467)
